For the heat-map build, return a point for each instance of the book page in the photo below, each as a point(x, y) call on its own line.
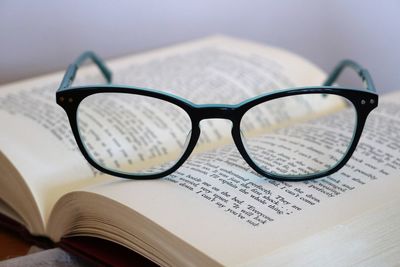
point(38, 139)
point(218, 205)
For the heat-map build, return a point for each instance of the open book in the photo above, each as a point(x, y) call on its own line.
point(214, 210)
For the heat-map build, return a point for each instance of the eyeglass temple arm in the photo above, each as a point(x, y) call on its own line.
point(363, 73)
point(72, 69)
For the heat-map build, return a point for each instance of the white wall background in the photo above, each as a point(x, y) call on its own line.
point(42, 36)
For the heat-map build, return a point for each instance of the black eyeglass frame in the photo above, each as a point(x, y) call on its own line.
point(364, 100)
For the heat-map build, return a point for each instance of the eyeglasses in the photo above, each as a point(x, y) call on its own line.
point(290, 135)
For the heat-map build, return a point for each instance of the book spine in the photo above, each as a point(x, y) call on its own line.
point(39, 241)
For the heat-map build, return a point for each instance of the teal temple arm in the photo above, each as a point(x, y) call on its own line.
point(72, 69)
point(363, 73)
point(333, 76)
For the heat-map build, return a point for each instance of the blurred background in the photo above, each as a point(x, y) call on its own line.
point(38, 37)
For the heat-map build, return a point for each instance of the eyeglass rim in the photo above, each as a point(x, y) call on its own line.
point(363, 101)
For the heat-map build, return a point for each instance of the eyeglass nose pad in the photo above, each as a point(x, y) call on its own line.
point(188, 136)
point(243, 139)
